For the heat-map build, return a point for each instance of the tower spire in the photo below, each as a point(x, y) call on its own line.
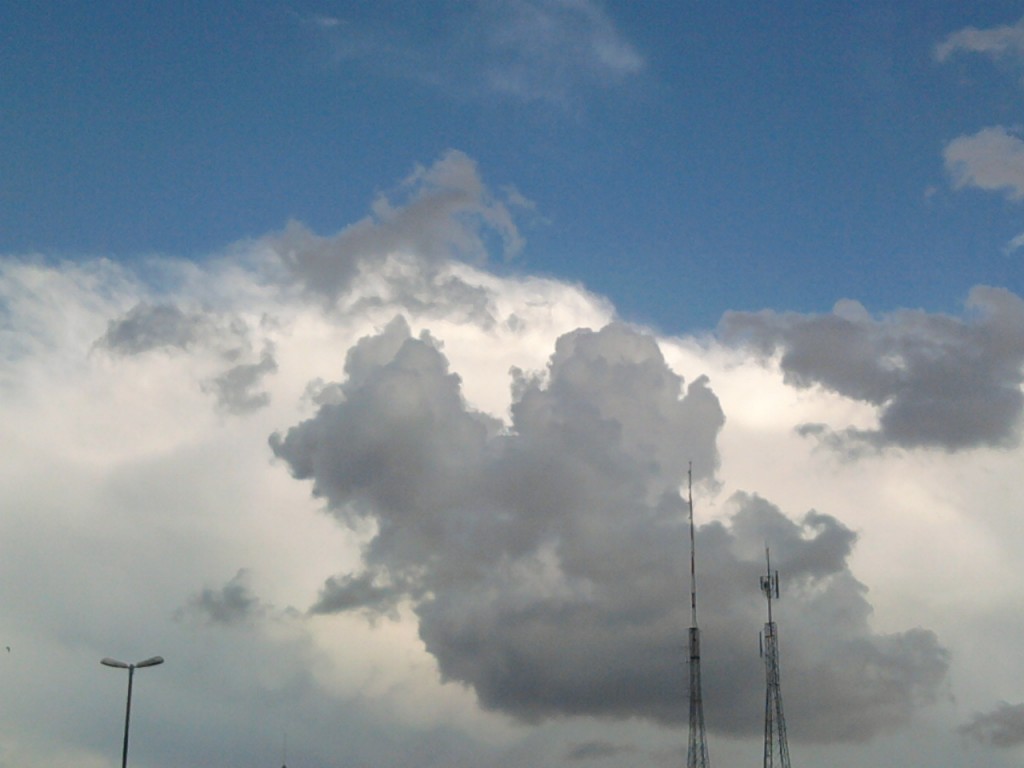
point(693, 550)
point(776, 746)
point(697, 752)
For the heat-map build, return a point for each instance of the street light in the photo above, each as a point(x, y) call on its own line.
point(108, 662)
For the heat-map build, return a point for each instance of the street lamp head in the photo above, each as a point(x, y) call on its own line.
point(150, 662)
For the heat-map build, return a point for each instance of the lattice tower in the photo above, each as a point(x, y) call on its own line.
point(697, 752)
point(776, 746)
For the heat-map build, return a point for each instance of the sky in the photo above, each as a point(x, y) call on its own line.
point(354, 357)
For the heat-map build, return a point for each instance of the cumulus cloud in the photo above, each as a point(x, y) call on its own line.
point(544, 559)
point(991, 159)
point(996, 42)
point(528, 526)
point(1002, 727)
point(231, 605)
point(462, 505)
point(935, 381)
point(440, 212)
point(841, 680)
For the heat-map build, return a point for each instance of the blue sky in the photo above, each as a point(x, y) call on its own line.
point(783, 156)
point(355, 357)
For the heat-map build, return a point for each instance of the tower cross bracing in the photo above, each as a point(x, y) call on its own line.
point(697, 750)
point(776, 745)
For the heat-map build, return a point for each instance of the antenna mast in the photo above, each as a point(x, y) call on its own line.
point(693, 550)
point(776, 746)
point(697, 752)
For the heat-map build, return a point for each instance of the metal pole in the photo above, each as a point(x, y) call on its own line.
point(127, 717)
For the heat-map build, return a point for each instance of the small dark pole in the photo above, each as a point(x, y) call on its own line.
point(127, 716)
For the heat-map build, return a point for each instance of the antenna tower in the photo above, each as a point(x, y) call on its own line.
point(697, 753)
point(776, 747)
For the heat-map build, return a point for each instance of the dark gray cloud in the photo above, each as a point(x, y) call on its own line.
point(230, 605)
point(348, 592)
point(546, 560)
point(1002, 727)
point(438, 213)
point(427, 293)
point(597, 750)
point(147, 327)
point(152, 326)
point(841, 681)
point(936, 381)
point(237, 390)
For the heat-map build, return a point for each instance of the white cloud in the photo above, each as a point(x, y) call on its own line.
point(1015, 244)
point(991, 159)
point(1006, 40)
point(326, 22)
point(551, 51)
point(547, 49)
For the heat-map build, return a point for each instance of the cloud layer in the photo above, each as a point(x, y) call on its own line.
point(500, 460)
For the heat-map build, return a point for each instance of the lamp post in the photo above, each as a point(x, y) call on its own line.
point(151, 662)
